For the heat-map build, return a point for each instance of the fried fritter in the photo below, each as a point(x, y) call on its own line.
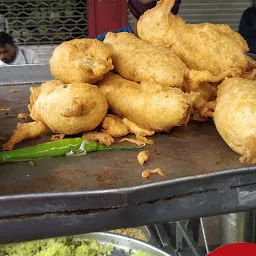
point(211, 51)
point(114, 126)
point(137, 60)
point(149, 105)
point(81, 60)
point(68, 108)
point(235, 116)
point(24, 131)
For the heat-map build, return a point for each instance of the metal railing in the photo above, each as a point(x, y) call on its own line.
point(44, 21)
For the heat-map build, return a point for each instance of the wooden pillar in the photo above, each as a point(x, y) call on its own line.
point(106, 15)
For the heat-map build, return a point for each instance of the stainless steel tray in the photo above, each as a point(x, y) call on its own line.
point(142, 229)
point(194, 153)
point(125, 244)
point(104, 190)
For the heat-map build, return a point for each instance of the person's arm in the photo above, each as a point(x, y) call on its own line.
point(125, 29)
point(245, 28)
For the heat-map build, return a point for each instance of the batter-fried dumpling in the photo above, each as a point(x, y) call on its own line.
point(137, 60)
point(81, 60)
point(149, 105)
point(212, 51)
point(235, 116)
point(68, 108)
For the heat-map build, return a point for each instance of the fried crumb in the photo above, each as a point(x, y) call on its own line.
point(57, 136)
point(31, 163)
point(145, 140)
point(114, 126)
point(142, 157)
point(4, 109)
point(135, 141)
point(23, 115)
point(24, 131)
point(14, 90)
point(134, 128)
point(2, 138)
point(147, 173)
point(101, 137)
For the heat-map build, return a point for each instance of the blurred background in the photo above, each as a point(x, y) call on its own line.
point(42, 24)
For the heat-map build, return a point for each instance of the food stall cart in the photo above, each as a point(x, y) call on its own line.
point(104, 190)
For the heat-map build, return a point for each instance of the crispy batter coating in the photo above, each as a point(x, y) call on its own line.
point(251, 63)
point(145, 140)
point(135, 141)
point(81, 60)
point(23, 132)
point(211, 51)
point(68, 108)
point(204, 104)
point(134, 128)
point(235, 116)
point(140, 140)
point(114, 126)
point(147, 173)
point(251, 75)
point(142, 157)
point(57, 137)
point(137, 60)
point(101, 137)
point(23, 115)
point(251, 69)
point(36, 91)
point(149, 105)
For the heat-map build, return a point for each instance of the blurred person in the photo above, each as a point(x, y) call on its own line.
point(137, 8)
point(247, 27)
point(11, 54)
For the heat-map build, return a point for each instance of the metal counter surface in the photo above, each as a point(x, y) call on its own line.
point(105, 190)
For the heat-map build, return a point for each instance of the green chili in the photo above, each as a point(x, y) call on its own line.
point(68, 147)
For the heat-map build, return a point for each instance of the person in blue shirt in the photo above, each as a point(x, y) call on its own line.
point(247, 27)
point(137, 8)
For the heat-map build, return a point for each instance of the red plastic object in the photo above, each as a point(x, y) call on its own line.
point(106, 15)
point(238, 249)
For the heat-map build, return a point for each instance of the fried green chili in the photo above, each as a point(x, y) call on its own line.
point(68, 147)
